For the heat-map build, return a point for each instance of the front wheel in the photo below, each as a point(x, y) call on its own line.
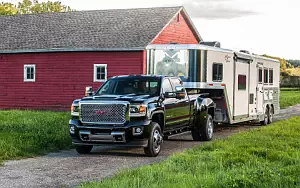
point(84, 149)
point(204, 132)
point(154, 141)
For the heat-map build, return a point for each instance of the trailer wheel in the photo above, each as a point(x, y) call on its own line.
point(271, 113)
point(154, 141)
point(266, 117)
point(205, 132)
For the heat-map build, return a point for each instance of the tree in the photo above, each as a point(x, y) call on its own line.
point(284, 65)
point(8, 9)
point(32, 7)
point(295, 63)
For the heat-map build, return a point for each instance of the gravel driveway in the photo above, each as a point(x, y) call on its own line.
point(67, 168)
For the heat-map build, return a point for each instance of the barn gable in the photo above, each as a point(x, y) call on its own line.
point(179, 30)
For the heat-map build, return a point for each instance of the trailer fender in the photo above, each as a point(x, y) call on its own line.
point(202, 107)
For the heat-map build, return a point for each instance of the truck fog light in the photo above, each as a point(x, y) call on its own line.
point(137, 131)
point(72, 129)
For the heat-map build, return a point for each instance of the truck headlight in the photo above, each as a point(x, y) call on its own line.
point(75, 110)
point(138, 110)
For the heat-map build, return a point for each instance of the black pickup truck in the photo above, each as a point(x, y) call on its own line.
point(139, 111)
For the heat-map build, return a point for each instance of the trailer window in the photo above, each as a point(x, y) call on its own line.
point(260, 76)
point(167, 86)
point(271, 76)
point(242, 82)
point(266, 76)
point(217, 72)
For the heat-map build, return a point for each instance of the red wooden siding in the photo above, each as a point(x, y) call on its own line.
point(177, 31)
point(144, 68)
point(60, 77)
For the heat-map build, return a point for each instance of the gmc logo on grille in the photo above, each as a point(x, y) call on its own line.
point(100, 112)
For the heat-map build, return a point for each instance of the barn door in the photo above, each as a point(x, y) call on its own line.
point(260, 89)
point(241, 90)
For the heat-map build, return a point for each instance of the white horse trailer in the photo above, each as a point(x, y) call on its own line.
point(245, 87)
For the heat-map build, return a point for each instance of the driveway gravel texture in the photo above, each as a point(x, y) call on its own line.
point(68, 169)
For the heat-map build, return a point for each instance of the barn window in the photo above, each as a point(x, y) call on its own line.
point(242, 82)
point(100, 72)
point(29, 73)
point(271, 76)
point(266, 76)
point(217, 72)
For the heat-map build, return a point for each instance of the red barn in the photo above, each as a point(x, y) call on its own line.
point(47, 60)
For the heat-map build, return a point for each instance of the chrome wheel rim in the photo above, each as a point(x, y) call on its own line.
point(210, 129)
point(156, 141)
point(266, 116)
point(271, 116)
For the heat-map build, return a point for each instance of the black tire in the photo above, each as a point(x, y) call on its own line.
point(84, 149)
point(270, 115)
point(205, 132)
point(266, 117)
point(154, 141)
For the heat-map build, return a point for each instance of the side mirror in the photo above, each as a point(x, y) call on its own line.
point(89, 91)
point(170, 95)
point(180, 92)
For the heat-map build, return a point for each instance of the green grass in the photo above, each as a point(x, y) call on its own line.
point(31, 133)
point(289, 97)
point(264, 157)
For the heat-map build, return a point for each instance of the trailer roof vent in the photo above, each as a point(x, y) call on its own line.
point(211, 43)
point(245, 51)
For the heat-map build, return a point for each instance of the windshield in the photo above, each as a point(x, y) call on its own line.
point(125, 86)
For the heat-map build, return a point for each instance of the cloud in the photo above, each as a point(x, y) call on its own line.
point(215, 9)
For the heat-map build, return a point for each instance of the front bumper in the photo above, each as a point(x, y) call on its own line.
point(120, 135)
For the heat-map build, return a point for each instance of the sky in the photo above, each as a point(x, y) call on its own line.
point(260, 26)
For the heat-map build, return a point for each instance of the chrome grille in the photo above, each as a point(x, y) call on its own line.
point(103, 113)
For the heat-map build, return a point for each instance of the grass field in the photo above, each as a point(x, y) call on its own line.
point(30, 133)
point(289, 97)
point(265, 157)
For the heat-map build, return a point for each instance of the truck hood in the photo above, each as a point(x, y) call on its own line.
point(130, 98)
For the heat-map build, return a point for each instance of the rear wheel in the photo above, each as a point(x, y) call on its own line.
point(266, 117)
point(204, 132)
point(271, 113)
point(84, 149)
point(154, 141)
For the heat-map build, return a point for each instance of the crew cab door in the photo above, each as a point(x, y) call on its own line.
point(177, 111)
point(182, 112)
point(169, 103)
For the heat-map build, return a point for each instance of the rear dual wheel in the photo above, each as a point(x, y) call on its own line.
point(204, 132)
point(268, 116)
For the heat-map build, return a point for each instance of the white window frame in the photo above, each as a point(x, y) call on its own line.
point(95, 72)
point(25, 73)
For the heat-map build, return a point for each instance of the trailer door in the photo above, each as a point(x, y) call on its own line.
point(241, 90)
point(260, 89)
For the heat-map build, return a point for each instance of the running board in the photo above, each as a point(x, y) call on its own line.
point(176, 132)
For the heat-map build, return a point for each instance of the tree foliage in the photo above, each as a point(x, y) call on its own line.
point(295, 63)
point(8, 9)
point(285, 66)
point(32, 6)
